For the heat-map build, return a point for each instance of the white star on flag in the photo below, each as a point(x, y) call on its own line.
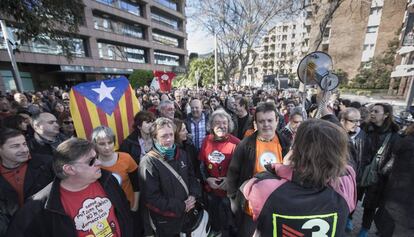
point(104, 92)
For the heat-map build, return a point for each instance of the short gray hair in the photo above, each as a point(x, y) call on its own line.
point(102, 132)
point(222, 113)
point(164, 103)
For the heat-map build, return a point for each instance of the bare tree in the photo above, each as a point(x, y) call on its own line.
point(239, 25)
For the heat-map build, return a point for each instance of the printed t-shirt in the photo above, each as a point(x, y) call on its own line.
point(216, 156)
point(124, 165)
point(266, 153)
point(91, 211)
point(15, 177)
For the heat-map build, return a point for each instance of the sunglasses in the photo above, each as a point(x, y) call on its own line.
point(354, 121)
point(67, 122)
point(90, 163)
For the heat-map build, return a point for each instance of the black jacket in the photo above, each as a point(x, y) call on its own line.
point(376, 136)
point(45, 147)
point(163, 194)
point(396, 214)
point(38, 174)
point(44, 215)
point(242, 166)
point(131, 146)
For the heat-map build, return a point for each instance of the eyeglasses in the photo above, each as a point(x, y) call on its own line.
point(90, 163)
point(67, 122)
point(355, 121)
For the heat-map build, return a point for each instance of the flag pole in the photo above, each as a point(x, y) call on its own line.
point(215, 62)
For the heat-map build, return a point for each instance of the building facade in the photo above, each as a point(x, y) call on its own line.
point(116, 37)
point(404, 72)
point(358, 31)
point(280, 51)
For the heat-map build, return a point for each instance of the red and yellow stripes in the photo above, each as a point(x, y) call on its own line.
point(87, 116)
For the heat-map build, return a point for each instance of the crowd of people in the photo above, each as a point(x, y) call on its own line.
point(258, 162)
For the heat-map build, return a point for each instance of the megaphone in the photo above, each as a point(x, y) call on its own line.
point(315, 68)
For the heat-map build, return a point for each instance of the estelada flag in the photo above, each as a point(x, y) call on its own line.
point(110, 103)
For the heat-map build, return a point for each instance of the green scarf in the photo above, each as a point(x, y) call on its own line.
point(168, 152)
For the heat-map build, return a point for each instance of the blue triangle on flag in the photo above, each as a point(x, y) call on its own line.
point(104, 94)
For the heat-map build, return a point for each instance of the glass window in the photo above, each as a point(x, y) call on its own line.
point(121, 53)
point(166, 59)
point(118, 27)
point(372, 29)
point(130, 7)
point(167, 3)
point(165, 40)
point(45, 45)
point(165, 21)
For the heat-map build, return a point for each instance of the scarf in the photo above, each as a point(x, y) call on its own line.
point(167, 152)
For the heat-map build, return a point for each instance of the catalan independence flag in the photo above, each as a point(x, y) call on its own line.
point(110, 103)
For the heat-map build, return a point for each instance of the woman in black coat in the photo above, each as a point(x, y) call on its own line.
point(396, 214)
point(380, 126)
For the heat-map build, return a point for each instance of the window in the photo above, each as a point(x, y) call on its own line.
point(125, 5)
point(166, 59)
point(47, 46)
point(167, 3)
point(165, 21)
point(284, 37)
point(372, 29)
point(121, 53)
point(285, 28)
point(130, 7)
point(165, 40)
point(293, 36)
point(117, 27)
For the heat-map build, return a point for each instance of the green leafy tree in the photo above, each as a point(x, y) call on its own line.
point(376, 73)
point(140, 78)
point(205, 68)
point(342, 76)
point(58, 20)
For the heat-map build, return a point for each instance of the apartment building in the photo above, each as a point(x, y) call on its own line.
point(116, 37)
point(280, 51)
point(403, 74)
point(358, 30)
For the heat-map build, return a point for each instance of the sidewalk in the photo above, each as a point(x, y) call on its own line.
point(357, 220)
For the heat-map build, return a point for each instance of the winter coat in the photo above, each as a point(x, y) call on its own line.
point(396, 214)
point(38, 174)
point(242, 167)
point(376, 136)
point(163, 194)
point(131, 146)
point(44, 215)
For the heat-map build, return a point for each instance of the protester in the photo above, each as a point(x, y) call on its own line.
point(21, 175)
point(253, 152)
point(244, 119)
point(313, 195)
point(396, 214)
point(381, 125)
point(83, 200)
point(295, 119)
point(162, 192)
point(166, 109)
point(196, 123)
point(215, 156)
point(47, 136)
point(139, 142)
point(66, 125)
point(183, 141)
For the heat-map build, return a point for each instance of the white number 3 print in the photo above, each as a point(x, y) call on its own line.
point(322, 224)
